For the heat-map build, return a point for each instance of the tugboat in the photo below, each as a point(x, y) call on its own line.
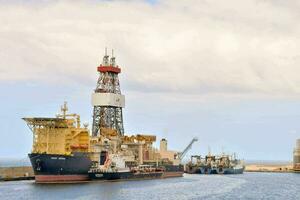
point(215, 164)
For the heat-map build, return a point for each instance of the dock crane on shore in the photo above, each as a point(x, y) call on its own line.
point(180, 155)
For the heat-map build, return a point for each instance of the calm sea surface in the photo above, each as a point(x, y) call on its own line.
point(246, 186)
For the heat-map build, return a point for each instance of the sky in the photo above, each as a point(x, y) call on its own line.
point(226, 72)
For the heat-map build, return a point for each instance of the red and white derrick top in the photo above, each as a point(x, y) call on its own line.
point(110, 68)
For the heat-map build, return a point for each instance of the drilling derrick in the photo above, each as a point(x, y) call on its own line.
point(107, 98)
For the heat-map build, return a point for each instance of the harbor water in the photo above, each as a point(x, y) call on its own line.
point(244, 186)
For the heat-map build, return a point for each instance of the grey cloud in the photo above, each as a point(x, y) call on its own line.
point(201, 47)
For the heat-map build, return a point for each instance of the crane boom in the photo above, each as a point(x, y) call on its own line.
point(182, 154)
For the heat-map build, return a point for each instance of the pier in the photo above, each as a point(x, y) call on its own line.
point(16, 173)
point(269, 168)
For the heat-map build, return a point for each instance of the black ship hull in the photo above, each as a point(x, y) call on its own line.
point(60, 168)
point(53, 168)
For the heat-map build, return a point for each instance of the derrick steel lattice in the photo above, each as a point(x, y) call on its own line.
point(108, 114)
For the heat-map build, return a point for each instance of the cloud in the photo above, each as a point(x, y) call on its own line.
point(184, 47)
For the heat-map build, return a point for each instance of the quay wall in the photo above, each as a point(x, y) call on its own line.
point(7, 173)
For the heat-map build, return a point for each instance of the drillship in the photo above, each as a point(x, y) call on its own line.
point(215, 164)
point(64, 151)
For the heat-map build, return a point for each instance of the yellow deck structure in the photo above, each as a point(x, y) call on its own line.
point(60, 135)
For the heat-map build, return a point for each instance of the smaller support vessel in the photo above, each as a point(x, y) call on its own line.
point(116, 167)
point(134, 173)
point(215, 164)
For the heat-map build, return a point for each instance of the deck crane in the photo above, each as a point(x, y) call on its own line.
point(180, 155)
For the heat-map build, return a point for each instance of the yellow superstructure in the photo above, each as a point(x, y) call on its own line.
point(60, 135)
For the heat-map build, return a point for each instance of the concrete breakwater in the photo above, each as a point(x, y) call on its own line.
point(268, 168)
point(16, 173)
